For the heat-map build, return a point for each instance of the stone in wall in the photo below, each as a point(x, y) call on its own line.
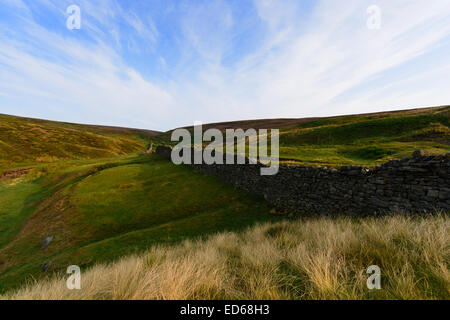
point(164, 151)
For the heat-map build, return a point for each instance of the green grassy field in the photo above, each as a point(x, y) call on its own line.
point(101, 210)
point(366, 140)
point(89, 187)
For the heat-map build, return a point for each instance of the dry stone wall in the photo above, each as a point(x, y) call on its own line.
point(416, 185)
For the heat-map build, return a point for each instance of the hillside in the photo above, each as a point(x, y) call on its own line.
point(100, 210)
point(90, 190)
point(25, 141)
point(292, 122)
point(365, 139)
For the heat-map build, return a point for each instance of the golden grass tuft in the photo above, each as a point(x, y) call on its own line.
point(316, 258)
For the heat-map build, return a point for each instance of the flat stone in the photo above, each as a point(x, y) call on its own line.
point(46, 266)
point(433, 193)
point(444, 195)
point(47, 241)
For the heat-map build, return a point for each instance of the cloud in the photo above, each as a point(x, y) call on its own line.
point(85, 81)
point(207, 27)
point(224, 60)
point(336, 54)
point(145, 30)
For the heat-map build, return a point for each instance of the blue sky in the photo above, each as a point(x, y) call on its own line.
point(160, 64)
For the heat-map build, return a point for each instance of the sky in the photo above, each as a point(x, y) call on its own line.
point(162, 64)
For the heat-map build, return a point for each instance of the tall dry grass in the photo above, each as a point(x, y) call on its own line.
point(318, 258)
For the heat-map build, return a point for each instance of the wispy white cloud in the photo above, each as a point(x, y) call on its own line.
point(289, 59)
point(207, 29)
point(334, 55)
point(89, 81)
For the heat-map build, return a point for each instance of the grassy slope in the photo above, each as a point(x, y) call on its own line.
point(89, 190)
point(25, 141)
point(367, 139)
point(99, 211)
point(319, 258)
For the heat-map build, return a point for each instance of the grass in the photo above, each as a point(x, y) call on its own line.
point(370, 154)
point(367, 140)
point(101, 210)
point(13, 210)
point(385, 129)
point(315, 258)
point(26, 141)
point(89, 189)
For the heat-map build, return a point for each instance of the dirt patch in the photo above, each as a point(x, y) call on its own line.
point(13, 174)
point(149, 150)
point(127, 186)
point(41, 130)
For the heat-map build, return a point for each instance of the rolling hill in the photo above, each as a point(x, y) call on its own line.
point(364, 139)
point(91, 191)
point(25, 141)
point(100, 210)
